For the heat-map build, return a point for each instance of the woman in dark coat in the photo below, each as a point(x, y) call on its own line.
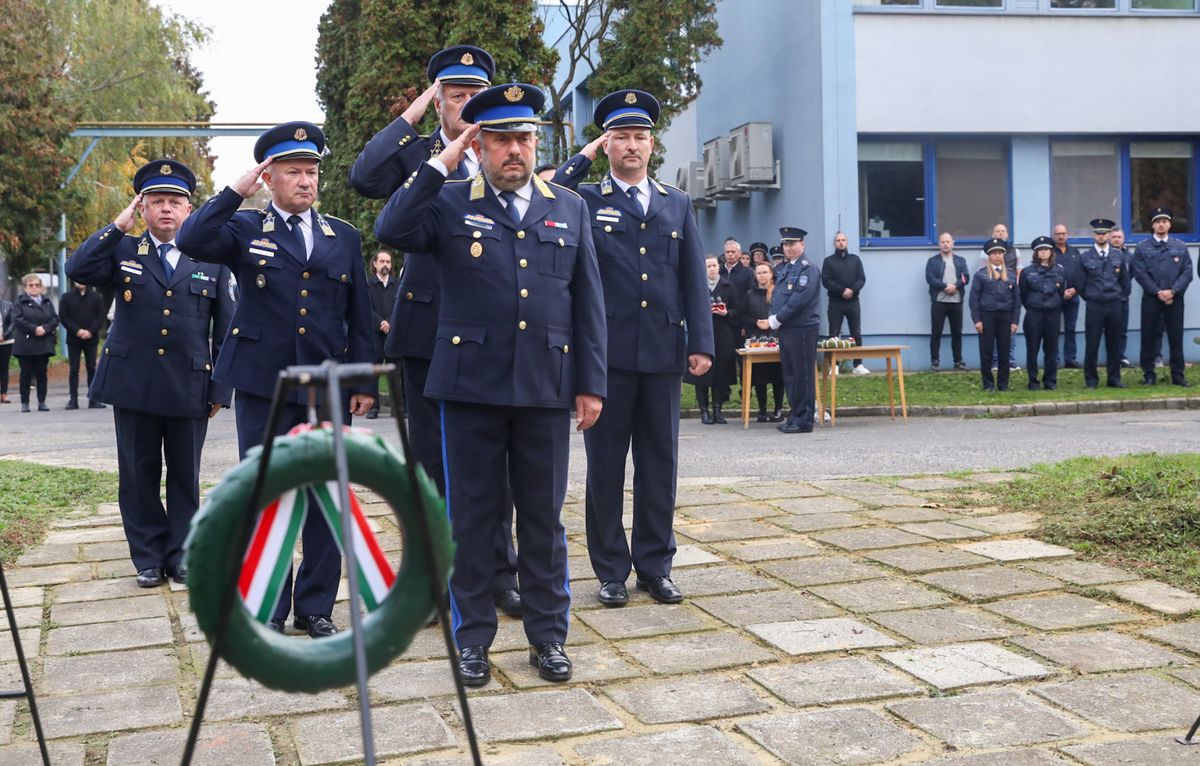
point(758, 308)
point(34, 325)
point(723, 372)
point(6, 346)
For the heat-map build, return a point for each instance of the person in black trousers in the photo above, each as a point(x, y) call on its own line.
point(81, 312)
point(6, 346)
point(995, 311)
point(34, 322)
point(947, 277)
point(1163, 267)
point(843, 277)
point(725, 332)
point(758, 308)
point(1044, 290)
point(381, 289)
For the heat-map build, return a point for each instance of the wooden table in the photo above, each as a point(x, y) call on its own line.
point(831, 356)
point(751, 357)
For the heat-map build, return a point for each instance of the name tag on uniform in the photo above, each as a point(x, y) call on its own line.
point(479, 221)
point(203, 277)
point(132, 269)
point(609, 214)
point(260, 251)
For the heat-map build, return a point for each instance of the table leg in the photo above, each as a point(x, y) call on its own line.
point(819, 374)
point(900, 375)
point(747, 371)
point(832, 361)
point(891, 390)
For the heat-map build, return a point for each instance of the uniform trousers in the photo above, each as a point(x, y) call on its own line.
point(1102, 318)
point(1156, 317)
point(798, 357)
point(156, 534)
point(1070, 314)
point(642, 411)
point(995, 339)
point(527, 448)
point(851, 311)
point(74, 350)
point(425, 436)
point(1041, 329)
point(1123, 338)
point(939, 312)
point(316, 580)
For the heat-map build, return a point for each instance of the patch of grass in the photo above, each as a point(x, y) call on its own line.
point(31, 496)
point(1139, 512)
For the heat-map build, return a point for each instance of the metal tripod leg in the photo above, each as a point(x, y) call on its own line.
point(26, 692)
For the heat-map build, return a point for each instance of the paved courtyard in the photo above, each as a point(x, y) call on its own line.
point(843, 621)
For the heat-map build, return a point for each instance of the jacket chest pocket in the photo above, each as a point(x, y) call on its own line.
point(475, 248)
point(669, 239)
point(201, 297)
point(556, 251)
point(340, 283)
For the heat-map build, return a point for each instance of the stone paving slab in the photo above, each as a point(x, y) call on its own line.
point(983, 583)
point(1003, 523)
point(729, 512)
point(533, 715)
point(695, 652)
point(30, 596)
point(690, 556)
point(1099, 652)
point(30, 644)
point(49, 575)
point(816, 522)
point(1063, 610)
point(817, 636)
point(1136, 702)
point(233, 698)
point(867, 539)
point(109, 636)
point(1181, 635)
point(766, 550)
point(336, 738)
point(1017, 550)
point(532, 756)
point(1157, 597)
point(26, 616)
point(711, 581)
point(49, 553)
point(96, 590)
point(927, 483)
point(879, 595)
point(993, 718)
point(592, 664)
point(96, 712)
point(109, 670)
point(8, 715)
point(908, 515)
point(61, 754)
point(956, 665)
point(777, 490)
point(770, 606)
point(845, 737)
point(420, 680)
point(943, 530)
point(802, 573)
point(110, 610)
point(691, 746)
point(819, 504)
point(686, 496)
point(1188, 675)
point(1161, 750)
point(945, 626)
point(649, 620)
point(117, 550)
point(1079, 572)
point(680, 699)
point(218, 745)
point(924, 558)
point(111, 533)
point(1005, 758)
point(714, 531)
point(827, 682)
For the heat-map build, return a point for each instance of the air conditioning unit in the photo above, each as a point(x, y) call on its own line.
point(752, 163)
point(716, 170)
point(690, 177)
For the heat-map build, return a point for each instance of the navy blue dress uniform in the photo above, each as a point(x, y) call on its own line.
point(1104, 280)
point(1041, 286)
point(794, 313)
point(296, 308)
point(1162, 264)
point(156, 370)
point(386, 161)
point(658, 310)
point(521, 333)
point(995, 303)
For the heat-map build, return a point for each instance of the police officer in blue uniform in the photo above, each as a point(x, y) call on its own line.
point(995, 310)
point(1044, 288)
point(794, 315)
point(1163, 267)
point(1104, 280)
point(391, 156)
point(303, 300)
point(652, 267)
point(156, 369)
point(521, 337)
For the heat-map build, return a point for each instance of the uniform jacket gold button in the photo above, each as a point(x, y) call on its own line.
point(524, 293)
point(674, 235)
point(301, 331)
point(456, 340)
point(645, 277)
point(305, 275)
point(262, 261)
point(128, 280)
point(476, 234)
point(303, 312)
point(164, 331)
point(162, 351)
point(204, 293)
point(520, 234)
point(409, 296)
point(642, 250)
point(566, 349)
point(560, 242)
point(524, 263)
point(304, 293)
point(169, 293)
point(644, 304)
point(166, 312)
point(607, 228)
point(235, 331)
point(208, 367)
point(345, 278)
point(522, 324)
point(643, 224)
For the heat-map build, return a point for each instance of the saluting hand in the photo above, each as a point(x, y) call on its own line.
point(595, 146)
point(453, 154)
point(416, 110)
point(128, 216)
point(248, 184)
point(587, 410)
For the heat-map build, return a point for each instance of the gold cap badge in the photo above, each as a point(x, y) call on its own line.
point(630, 98)
point(467, 59)
point(514, 94)
point(165, 169)
point(301, 134)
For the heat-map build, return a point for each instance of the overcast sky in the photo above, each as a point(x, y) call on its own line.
point(259, 65)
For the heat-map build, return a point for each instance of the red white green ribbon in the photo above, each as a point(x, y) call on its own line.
point(375, 573)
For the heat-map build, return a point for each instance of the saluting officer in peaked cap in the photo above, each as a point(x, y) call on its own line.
point(291, 141)
point(461, 65)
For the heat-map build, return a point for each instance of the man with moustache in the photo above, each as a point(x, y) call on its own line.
point(156, 369)
point(520, 339)
point(303, 300)
point(1163, 268)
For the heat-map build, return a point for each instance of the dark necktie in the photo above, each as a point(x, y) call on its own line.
point(632, 193)
point(168, 269)
point(510, 204)
point(298, 234)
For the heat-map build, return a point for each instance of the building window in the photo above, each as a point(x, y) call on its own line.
point(1164, 5)
point(1161, 175)
point(1081, 5)
point(1085, 184)
point(972, 184)
point(891, 189)
point(970, 3)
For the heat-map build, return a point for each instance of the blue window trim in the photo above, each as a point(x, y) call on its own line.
point(1120, 8)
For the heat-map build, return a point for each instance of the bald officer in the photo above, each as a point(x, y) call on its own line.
point(521, 338)
point(794, 314)
point(156, 370)
point(456, 74)
point(303, 300)
point(652, 266)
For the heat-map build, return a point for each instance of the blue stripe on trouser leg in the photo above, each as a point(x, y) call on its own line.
point(455, 617)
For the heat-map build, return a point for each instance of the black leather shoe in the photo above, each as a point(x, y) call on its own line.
point(24, 406)
point(551, 660)
point(788, 428)
point(1035, 385)
point(473, 665)
point(661, 589)
point(373, 413)
point(275, 625)
point(1117, 384)
point(1149, 380)
point(1181, 383)
point(1090, 385)
point(777, 417)
point(95, 405)
point(1050, 386)
point(762, 417)
point(42, 407)
point(613, 593)
point(317, 625)
point(151, 577)
point(1073, 365)
point(960, 365)
point(935, 364)
point(178, 573)
point(719, 418)
point(72, 405)
point(509, 602)
point(706, 417)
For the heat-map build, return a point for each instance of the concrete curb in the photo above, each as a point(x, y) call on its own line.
point(1006, 410)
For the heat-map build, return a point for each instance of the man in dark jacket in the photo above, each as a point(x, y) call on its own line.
point(947, 277)
point(843, 277)
point(1069, 258)
point(81, 312)
point(381, 288)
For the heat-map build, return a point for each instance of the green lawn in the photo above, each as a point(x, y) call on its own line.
point(31, 496)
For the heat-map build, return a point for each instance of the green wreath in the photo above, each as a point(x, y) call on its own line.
point(295, 665)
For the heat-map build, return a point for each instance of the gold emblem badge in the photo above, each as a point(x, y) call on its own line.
point(630, 98)
point(476, 249)
point(467, 59)
point(268, 223)
point(514, 94)
point(300, 134)
point(261, 280)
point(165, 169)
point(143, 248)
point(128, 296)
